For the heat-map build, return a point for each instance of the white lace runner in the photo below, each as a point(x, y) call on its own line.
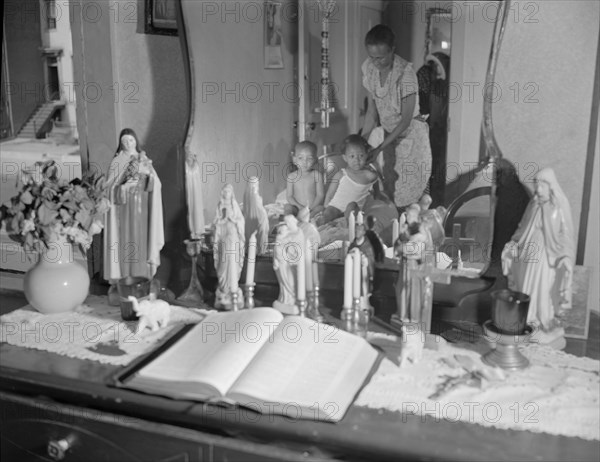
point(557, 394)
point(93, 331)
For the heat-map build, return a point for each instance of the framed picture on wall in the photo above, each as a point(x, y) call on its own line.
point(161, 17)
point(273, 37)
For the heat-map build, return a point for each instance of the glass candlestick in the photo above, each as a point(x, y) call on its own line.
point(313, 307)
point(249, 295)
point(193, 295)
point(234, 300)
point(302, 307)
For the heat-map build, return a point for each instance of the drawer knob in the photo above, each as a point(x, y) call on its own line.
point(57, 448)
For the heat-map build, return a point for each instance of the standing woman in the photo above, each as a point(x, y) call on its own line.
point(394, 101)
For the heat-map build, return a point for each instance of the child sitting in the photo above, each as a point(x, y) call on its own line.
point(350, 186)
point(304, 184)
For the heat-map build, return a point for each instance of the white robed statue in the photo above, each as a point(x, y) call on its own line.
point(133, 233)
point(538, 260)
point(229, 248)
point(255, 215)
point(289, 245)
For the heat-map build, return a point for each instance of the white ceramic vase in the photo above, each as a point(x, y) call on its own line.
point(56, 283)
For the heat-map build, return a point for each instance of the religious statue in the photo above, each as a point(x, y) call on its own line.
point(311, 233)
point(134, 234)
point(255, 215)
point(229, 249)
point(538, 260)
point(289, 246)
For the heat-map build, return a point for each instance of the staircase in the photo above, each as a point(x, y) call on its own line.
point(39, 122)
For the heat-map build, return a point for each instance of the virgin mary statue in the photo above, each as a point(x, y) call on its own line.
point(539, 258)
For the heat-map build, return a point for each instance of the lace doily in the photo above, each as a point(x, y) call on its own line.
point(93, 331)
point(557, 394)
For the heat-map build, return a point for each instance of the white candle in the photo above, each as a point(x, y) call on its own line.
point(301, 276)
point(351, 227)
point(356, 275)
point(315, 273)
point(251, 259)
point(348, 281)
point(360, 218)
point(308, 265)
point(395, 230)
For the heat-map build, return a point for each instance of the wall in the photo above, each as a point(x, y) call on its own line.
point(25, 69)
point(244, 114)
point(547, 124)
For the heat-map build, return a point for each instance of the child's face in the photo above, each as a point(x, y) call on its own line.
point(304, 160)
point(355, 157)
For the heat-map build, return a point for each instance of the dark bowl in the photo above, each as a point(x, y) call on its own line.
point(509, 311)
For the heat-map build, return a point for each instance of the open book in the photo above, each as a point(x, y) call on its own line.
point(256, 358)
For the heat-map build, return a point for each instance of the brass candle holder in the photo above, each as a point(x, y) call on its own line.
point(301, 307)
point(194, 294)
point(234, 300)
point(249, 295)
point(313, 306)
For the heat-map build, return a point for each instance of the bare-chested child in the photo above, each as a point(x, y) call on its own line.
point(350, 186)
point(305, 184)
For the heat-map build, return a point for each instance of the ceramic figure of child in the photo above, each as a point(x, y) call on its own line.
point(289, 245)
point(304, 185)
point(229, 248)
point(350, 187)
point(255, 215)
point(538, 259)
point(133, 232)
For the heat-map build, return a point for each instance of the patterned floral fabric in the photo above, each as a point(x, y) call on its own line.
point(406, 163)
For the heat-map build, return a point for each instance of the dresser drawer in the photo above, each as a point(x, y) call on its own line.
point(36, 429)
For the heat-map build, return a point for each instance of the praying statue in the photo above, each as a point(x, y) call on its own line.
point(229, 249)
point(255, 215)
point(134, 233)
point(538, 260)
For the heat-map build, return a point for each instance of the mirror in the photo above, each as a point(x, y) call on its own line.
point(239, 116)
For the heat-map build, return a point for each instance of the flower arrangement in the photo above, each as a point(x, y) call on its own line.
point(47, 207)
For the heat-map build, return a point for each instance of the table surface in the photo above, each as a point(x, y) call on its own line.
point(363, 433)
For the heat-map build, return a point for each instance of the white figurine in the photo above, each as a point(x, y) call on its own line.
point(229, 248)
point(288, 245)
point(255, 215)
point(152, 313)
point(538, 260)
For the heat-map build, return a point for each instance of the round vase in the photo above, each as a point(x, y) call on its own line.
point(56, 283)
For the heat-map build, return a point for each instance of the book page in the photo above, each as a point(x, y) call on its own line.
point(306, 368)
point(216, 351)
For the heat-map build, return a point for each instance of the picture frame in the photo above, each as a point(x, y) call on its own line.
point(161, 17)
point(273, 37)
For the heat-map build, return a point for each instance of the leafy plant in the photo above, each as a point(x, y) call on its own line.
point(47, 207)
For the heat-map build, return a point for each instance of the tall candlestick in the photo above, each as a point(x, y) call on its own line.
point(356, 274)
point(351, 227)
point(395, 230)
point(301, 276)
point(348, 281)
point(360, 218)
point(251, 259)
point(308, 259)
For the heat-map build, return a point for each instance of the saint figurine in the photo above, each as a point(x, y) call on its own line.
point(134, 233)
point(255, 215)
point(229, 248)
point(289, 245)
point(538, 260)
